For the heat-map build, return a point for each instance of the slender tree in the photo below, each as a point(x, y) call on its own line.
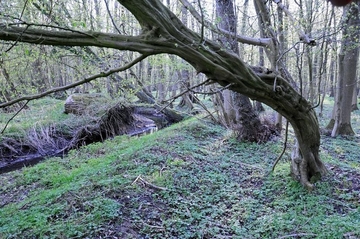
point(347, 77)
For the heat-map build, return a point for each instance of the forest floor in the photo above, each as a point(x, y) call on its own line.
point(190, 180)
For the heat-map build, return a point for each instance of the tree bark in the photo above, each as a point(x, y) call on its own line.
point(354, 103)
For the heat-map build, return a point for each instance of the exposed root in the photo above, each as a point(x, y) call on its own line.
point(284, 149)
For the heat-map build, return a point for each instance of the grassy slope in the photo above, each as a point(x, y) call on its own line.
point(47, 111)
point(215, 188)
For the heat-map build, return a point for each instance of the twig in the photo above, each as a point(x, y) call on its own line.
point(150, 185)
point(245, 164)
point(112, 19)
point(202, 23)
point(23, 10)
point(212, 92)
point(17, 40)
point(160, 228)
point(205, 108)
point(244, 39)
point(282, 153)
point(303, 36)
point(171, 100)
point(7, 123)
point(48, 26)
point(191, 89)
point(297, 235)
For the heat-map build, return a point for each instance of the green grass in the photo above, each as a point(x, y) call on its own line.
point(42, 112)
point(215, 188)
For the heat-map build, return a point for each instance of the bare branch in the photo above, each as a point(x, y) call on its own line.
point(46, 26)
point(302, 35)
point(146, 183)
point(184, 92)
point(298, 235)
point(111, 17)
point(202, 23)
point(66, 87)
point(23, 10)
point(7, 123)
point(243, 39)
point(284, 148)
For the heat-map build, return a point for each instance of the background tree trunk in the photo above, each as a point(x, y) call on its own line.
point(187, 99)
point(348, 59)
point(239, 114)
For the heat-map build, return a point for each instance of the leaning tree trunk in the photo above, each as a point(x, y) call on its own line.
point(163, 32)
point(225, 68)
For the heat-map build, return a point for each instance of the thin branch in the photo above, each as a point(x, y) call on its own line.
point(7, 123)
point(297, 235)
point(112, 19)
point(23, 10)
point(212, 92)
point(160, 228)
point(202, 23)
point(317, 104)
point(66, 87)
point(49, 26)
point(184, 92)
point(205, 108)
point(191, 89)
point(303, 36)
point(248, 40)
point(22, 22)
point(285, 145)
point(16, 41)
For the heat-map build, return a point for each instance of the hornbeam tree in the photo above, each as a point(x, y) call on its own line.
point(162, 32)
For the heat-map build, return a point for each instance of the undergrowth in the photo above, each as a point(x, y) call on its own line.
point(190, 180)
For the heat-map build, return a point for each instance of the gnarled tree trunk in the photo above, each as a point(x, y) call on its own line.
point(226, 68)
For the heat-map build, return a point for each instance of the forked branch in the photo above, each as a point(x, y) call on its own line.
point(243, 39)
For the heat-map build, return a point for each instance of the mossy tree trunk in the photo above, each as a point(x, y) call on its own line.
point(163, 32)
